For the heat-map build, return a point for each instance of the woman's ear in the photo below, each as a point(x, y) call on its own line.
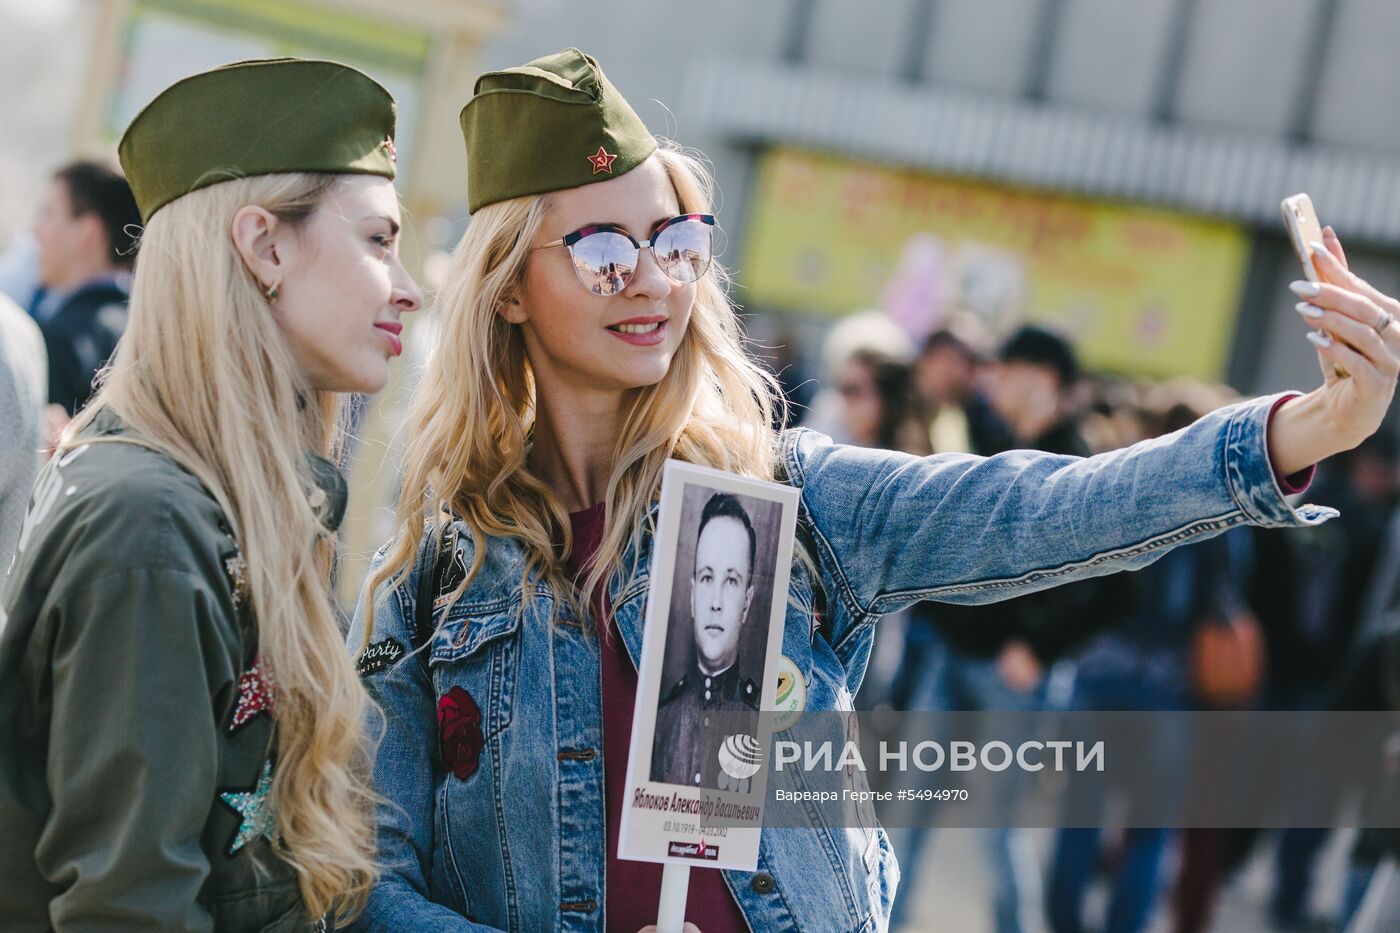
point(511, 308)
point(254, 232)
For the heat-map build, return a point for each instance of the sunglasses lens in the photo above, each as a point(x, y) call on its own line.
point(604, 261)
point(683, 250)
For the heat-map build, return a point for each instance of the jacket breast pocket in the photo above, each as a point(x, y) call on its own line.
point(473, 663)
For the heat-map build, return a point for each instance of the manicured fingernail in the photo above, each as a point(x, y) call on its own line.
point(1304, 289)
point(1318, 338)
point(1307, 310)
point(1317, 247)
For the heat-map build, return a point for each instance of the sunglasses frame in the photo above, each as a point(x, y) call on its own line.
point(569, 239)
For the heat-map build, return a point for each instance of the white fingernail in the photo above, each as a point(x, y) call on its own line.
point(1317, 247)
point(1307, 310)
point(1304, 289)
point(1320, 339)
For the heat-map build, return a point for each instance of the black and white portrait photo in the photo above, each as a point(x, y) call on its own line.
point(714, 663)
point(711, 647)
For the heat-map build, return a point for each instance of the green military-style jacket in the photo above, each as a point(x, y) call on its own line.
point(136, 722)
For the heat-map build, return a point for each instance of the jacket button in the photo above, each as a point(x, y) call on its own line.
point(762, 883)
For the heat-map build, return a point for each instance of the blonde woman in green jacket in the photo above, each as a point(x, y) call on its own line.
point(180, 729)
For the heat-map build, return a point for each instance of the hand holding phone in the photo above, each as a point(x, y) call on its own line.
point(1303, 230)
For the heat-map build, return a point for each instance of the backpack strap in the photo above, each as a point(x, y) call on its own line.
point(432, 567)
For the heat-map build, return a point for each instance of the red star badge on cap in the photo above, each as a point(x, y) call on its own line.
point(602, 161)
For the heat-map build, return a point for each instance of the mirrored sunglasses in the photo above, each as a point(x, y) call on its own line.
point(605, 256)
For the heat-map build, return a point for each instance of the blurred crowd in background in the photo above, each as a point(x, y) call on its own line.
point(998, 318)
point(1254, 619)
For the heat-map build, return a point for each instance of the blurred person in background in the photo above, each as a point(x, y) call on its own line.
point(1114, 415)
point(23, 383)
point(1371, 681)
point(1311, 642)
point(1032, 389)
point(996, 657)
point(1143, 662)
point(86, 234)
point(1312, 592)
point(946, 375)
point(878, 408)
point(867, 330)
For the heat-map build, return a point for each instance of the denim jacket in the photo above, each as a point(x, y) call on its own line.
point(519, 844)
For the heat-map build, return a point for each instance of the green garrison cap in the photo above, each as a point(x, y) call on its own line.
point(257, 117)
point(551, 124)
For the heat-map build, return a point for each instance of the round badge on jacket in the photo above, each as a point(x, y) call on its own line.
point(791, 697)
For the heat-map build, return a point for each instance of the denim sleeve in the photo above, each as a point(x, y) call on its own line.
point(891, 529)
point(403, 722)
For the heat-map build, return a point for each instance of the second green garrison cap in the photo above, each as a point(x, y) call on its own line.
point(551, 124)
point(258, 117)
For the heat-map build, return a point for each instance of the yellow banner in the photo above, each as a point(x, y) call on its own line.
point(1142, 291)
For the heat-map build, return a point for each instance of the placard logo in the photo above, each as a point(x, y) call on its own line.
point(700, 850)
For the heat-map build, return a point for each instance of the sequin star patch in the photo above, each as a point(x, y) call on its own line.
point(256, 694)
point(257, 812)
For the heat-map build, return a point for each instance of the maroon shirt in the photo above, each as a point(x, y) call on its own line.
point(633, 889)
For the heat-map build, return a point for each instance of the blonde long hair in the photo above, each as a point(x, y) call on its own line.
point(470, 421)
point(204, 375)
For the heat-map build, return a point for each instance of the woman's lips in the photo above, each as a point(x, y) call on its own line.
point(391, 330)
point(640, 334)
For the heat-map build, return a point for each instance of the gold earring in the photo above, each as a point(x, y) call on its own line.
point(272, 293)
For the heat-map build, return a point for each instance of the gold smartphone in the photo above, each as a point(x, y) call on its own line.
point(1304, 229)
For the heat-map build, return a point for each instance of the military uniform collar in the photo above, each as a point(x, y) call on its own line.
point(722, 683)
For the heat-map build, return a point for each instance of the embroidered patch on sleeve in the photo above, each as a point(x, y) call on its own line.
point(378, 656)
point(256, 811)
point(256, 694)
point(451, 579)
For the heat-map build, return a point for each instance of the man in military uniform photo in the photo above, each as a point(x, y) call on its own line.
point(697, 711)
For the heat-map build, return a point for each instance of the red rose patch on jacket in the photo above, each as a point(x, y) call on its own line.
point(459, 732)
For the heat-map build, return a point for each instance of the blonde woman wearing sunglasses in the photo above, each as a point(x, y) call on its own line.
point(586, 338)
